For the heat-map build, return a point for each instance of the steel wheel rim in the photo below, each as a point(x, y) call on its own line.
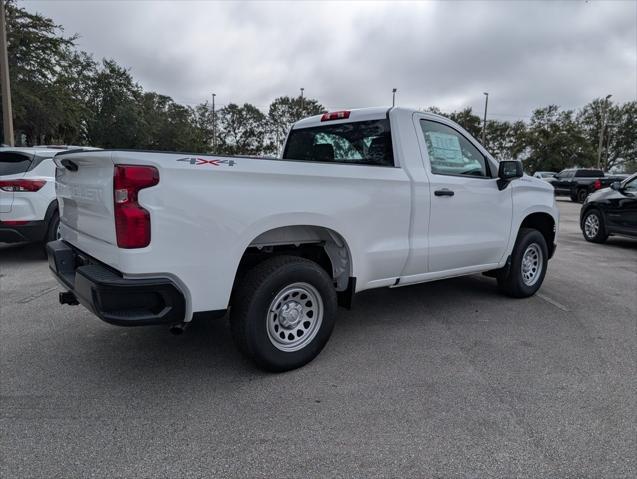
point(532, 264)
point(591, 225)
point(294, 317)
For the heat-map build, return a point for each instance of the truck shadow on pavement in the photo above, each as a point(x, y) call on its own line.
point(144, 356)
point(20, 253)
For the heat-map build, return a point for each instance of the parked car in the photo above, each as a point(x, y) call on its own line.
point(578, 183)
point(544, 175)
point(28, 207)
point(360, 199)
point(611, 211)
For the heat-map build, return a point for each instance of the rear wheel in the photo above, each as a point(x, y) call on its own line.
point(529, 260)
point(53, 231)
point(283, 312)
point(593, 227)
point(582, 194)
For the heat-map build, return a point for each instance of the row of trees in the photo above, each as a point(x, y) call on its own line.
point(554, 139)
point(63, 95)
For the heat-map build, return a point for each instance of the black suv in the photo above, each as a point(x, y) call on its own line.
point(611, 211)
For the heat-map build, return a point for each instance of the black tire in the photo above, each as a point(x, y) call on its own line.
point(52, 230)
point(590, 234)
point(510, 280)
point(250, 312)
point(582, 194)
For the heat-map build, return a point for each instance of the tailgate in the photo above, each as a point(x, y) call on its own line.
point(84, 187)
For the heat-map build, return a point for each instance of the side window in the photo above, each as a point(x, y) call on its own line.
point(450, 153)
point(631, 186)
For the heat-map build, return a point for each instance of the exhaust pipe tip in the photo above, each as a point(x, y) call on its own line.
point(177, 329)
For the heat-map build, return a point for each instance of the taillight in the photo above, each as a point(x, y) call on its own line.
point(597, 184)
point(14, 222)
point(21, 185)
point(335, 115)
point(132, 222)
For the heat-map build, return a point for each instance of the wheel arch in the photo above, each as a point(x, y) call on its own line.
point(545, 223)
point(319, 243)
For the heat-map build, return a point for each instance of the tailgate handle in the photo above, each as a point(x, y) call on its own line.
point(69, 165)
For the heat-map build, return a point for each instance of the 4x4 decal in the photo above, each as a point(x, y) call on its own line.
point(202, 161)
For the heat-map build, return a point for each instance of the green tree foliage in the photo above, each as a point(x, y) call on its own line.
point(43, 72)
point(555, 141)
point(114, 102)
point(62, 95)
point(242, 130)
point(168, 126)
point(619, 142)
point(282, 113)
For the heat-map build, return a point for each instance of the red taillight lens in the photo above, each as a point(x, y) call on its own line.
point(14, 222)
point(132, 222)
point(335, 115)
point(597, 184)
point(21, 185)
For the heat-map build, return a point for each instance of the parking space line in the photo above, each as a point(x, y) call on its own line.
point(33, 296)
point(553, 302)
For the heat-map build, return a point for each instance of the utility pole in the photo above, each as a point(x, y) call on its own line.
point(7, 111)
point(601, 131)
point(214, 125)
point(608, 128)
point(302, 104)
point(484, 122)
point(393, 96)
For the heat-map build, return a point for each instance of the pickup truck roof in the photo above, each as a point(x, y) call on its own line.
point(361, 114)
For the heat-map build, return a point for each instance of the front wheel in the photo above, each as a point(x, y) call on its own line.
point(593, 227)
point(529, 260)
point(283, 312)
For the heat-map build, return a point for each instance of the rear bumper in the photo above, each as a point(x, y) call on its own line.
point(32, 232)
point(114, 299)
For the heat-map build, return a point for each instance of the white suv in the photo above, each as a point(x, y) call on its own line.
point(28, 207)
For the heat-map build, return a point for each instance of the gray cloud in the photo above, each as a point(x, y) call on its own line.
point(525, 54)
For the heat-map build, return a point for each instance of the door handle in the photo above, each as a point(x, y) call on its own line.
point(444, 192)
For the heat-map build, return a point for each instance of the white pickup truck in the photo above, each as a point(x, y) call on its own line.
point(360, 199)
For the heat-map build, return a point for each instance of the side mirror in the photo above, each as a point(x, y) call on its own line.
point(616, 185)
point(507, 171)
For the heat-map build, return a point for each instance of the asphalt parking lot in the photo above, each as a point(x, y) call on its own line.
point(443, 379)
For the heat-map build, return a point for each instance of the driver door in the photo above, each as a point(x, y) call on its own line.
point(621, 212)
point(470, 218)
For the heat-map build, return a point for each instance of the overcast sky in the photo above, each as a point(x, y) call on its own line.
point(348, 55)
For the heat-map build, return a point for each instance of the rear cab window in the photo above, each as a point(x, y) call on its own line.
point(358, 143)
point(13, 163)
